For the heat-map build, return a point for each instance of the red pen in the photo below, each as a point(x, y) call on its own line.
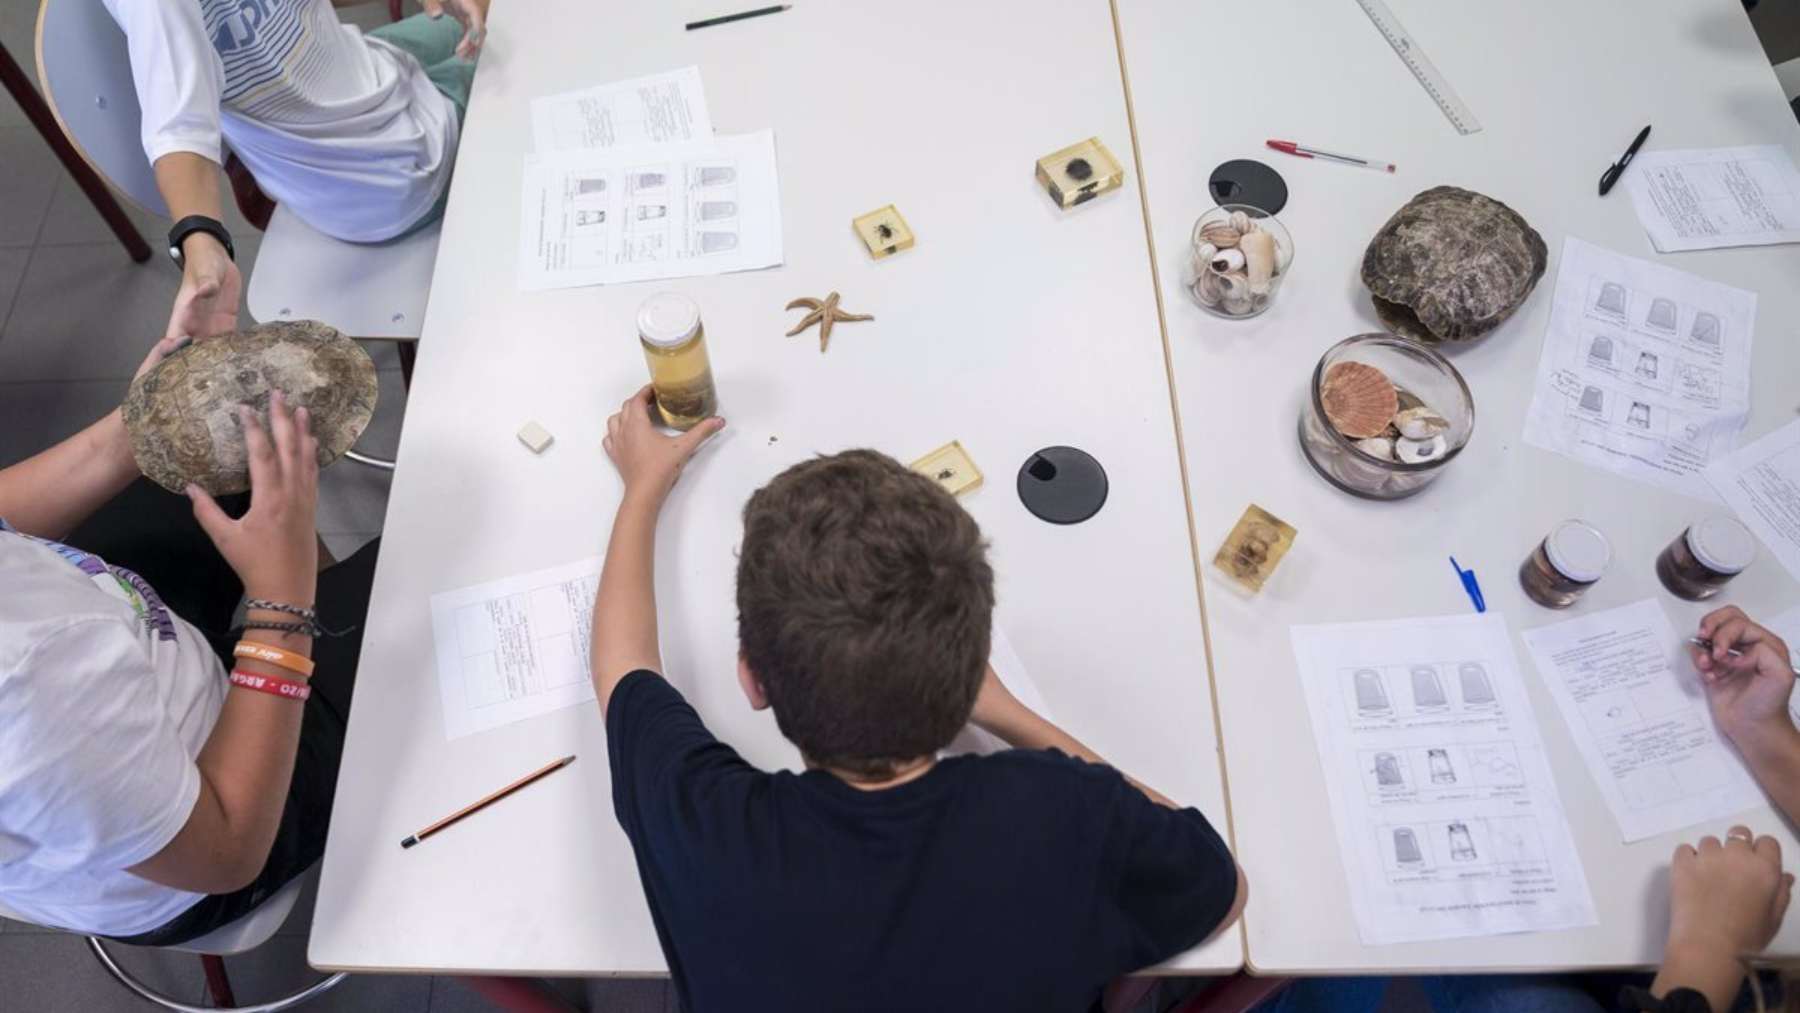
point(1304, 152)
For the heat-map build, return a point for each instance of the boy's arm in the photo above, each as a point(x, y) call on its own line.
point(624, 634)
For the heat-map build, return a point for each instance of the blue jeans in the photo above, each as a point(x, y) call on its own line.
point(1477, 993)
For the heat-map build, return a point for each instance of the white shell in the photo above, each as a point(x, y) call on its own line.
point(1377, 446)
point(1420, 451)
point(1209, 289)
point(1219, 234)
point(1228, 260)
point(1203, 256)
point(1241, 222)
point(1258, 249)
point(1284, 255)
point(1420, 423)
point(1237, 300)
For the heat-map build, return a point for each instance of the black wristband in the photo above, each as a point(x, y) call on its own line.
point(179, 232)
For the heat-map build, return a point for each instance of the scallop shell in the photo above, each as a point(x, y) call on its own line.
point(1226, 261)
point(1379, 447)
point(1420, 451)
point(1420, 423)
point(1220, 234)
point(1358, 399)
point(1259, 259)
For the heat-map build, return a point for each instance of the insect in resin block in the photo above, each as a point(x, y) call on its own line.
point(951, 467)
point(535, 437)
point(1255, 547)
point(1079, 173)
point(884, 232)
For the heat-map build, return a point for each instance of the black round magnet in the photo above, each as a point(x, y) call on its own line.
point(1245, 181)
point(1062, 485)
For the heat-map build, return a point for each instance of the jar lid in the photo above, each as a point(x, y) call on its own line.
point(1578, 551)
point(1721, 544)
point(668, 318)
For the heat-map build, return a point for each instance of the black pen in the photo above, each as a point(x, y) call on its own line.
point(1617, 169)
point(728, 18)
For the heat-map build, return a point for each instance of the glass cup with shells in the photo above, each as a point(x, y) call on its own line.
point(1238, 259)
point(1385, 416)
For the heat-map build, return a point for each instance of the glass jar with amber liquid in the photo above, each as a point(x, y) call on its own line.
point(674, 343)
point(1570, 559)
point(1699, 562)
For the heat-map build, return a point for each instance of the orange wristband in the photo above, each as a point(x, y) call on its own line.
point(299, 664)
point(287, 689)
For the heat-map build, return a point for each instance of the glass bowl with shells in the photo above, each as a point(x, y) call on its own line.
point(1385, 416)
point(1238, 258)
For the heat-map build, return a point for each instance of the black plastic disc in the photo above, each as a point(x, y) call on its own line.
point(1245, 181)
point(1062, 485)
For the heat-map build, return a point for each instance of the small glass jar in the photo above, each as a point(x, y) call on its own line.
point(1702, 559)
point(1228, 278)
point(674, 344)
point(1423, 377)
point(1570, 559)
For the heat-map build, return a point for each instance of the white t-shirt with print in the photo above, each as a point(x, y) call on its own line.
point(105, 700)
point(345, 130)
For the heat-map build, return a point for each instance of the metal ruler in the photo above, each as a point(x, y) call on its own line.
point(1421, 66)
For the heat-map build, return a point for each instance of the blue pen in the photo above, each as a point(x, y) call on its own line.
point(1470, 584)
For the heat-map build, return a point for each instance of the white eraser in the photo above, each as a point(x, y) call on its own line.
point(535, 437)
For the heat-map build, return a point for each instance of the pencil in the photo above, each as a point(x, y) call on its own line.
point(724, 19)
point(475, 807)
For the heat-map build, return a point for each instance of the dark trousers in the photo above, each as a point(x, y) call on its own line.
point(153, 533)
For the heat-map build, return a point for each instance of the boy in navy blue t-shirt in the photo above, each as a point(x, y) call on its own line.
point(883, 877)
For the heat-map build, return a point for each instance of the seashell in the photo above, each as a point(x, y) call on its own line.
point(1227, 261)
point(1358, 399)
point(1209, 289)
point(1378, 447)
point(1452, 265)
point(1220, 234)
point(1284, 255)
point(1238, 301)
point(1420, 423)
point(1258, 249)
point(1408, 399)
point(1203, 255)
point(182, 419)
point(1420, 451)
point(1241, 222)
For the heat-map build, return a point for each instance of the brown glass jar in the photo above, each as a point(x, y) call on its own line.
point(1702, 559)
point(1570, 559)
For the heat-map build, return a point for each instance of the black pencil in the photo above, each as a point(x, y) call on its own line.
point(475, 807)
point(728, 18)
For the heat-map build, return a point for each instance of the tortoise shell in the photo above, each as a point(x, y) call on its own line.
point(1451, 265)
point(182, 414)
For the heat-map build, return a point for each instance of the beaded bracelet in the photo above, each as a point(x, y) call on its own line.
point(299, 629)
point(287, 689)
point(264, 605)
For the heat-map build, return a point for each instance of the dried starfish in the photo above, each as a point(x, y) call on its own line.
point(825, 312)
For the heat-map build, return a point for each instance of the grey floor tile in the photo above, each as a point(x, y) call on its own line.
point(86, 313)
point(279, 967)
point(630, 995)
point(72, 219)
point(35, 415)
point(26, 186)
point(12, 271)
point(55, 973)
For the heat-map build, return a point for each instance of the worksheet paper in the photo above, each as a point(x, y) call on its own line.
point(1761, 483)
point(1706, 198)
point(665, 211)
point(1645, 369)
point(1636, 709)
point(662, 108)
point(1447, 818)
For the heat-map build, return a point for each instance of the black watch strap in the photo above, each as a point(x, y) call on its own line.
point(198, 223)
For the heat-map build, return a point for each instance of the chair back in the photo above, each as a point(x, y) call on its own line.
point(84, 70)
point(247, 933)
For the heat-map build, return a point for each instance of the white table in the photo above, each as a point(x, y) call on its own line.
point(1560, 89)
point(1011, 326)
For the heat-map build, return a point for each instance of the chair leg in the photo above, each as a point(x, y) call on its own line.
point(39, 114)
point(217, 984)
point(409, 353)
point(517, 995)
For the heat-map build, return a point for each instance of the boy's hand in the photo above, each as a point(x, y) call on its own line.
point(1727, 899)
point(472, 14)
point(648, 460)
point(274, 548)
point(206, 304)
point(1749, 693)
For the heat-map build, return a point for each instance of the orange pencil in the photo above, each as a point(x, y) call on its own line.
point(475, 807)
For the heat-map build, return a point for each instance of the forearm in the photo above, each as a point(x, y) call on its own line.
point(51, 493)
point(189, 184)
point(624, 633)
point(1021, 728)
point(1709, 971)
point(1773, 756)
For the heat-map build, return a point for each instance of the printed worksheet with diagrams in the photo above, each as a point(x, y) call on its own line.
point(1645, 369)
point(663, 211)
point(667, 108)
point(1761, 484)
point(1706, 198)
point(1448, 820)
point(514, 648)
point(1636, 709)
